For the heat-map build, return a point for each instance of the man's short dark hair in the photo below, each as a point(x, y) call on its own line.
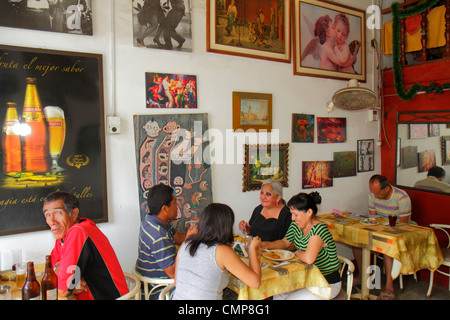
point(382, 180)
point(158, 196)
point(437, 172)
point(70, 201)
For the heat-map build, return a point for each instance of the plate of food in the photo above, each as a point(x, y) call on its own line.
point(370, 222)
point(278, 255)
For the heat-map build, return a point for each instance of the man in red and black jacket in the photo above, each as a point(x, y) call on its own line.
point(88, 266)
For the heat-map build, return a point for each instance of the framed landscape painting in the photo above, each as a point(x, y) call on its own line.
point(252, 111)
point(329, 40)
point(251, 28)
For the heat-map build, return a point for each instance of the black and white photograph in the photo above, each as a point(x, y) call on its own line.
point(366, 159)
point(67, 16)
point(162, 24)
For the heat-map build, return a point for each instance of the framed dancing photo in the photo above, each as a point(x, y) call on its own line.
point(251, 28)
point(329, 40)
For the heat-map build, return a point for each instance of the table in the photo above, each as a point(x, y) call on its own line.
point(280, 279)
point(413, 247)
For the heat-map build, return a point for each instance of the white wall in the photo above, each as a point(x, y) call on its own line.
point(217, 75)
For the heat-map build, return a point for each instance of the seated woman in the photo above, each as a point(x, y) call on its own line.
point(271, 219)
point(204, 259)
point(313, 242)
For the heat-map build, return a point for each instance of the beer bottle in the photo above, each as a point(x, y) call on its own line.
point(35, 145)
point(31, 287)
point(12, 151)
point(49, 282)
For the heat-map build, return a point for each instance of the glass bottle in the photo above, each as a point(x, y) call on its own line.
point(49, 282)
point(35, 144)
point(12, 151)
point(31, 287)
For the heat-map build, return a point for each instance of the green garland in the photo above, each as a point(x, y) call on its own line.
point(397, 15)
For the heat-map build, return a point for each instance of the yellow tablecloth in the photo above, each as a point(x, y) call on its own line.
point(415, 247)
point(435, 33)
point(9, 278)
point(275, 280)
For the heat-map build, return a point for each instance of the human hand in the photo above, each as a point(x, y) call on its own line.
point(242, 226)
point(191, 231)
point(256, 243)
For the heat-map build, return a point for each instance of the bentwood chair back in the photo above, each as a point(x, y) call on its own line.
point(134, 287)
point(346, 264)
point(155, 283)
point(166, 293)
point(445, 253)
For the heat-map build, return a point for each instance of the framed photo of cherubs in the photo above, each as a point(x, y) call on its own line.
point(329, 40)
point(250, 28)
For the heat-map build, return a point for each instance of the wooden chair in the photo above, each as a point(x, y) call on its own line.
point(134, 285)
point(166, 293)
point(155, 282)
point(445, 253)
point(346, 264)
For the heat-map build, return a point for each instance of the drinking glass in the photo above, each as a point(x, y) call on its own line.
point(21, 269)
point(5, 292)
point(392, 220)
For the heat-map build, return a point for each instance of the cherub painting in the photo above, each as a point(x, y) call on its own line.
point(330, 40)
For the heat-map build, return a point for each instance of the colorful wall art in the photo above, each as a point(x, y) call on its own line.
point(170, 150)
point(331, 130)
point(317, 174)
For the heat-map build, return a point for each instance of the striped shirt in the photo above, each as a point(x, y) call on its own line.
point(156, 248)
point(327, 260)
point(398, 203)
point(433, 184)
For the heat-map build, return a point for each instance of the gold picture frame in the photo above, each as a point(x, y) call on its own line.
point(252, 111)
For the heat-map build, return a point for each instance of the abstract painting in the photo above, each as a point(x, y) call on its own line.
point(344, 164)
point(317, 174)
point(331, 130)
point(427, 160)
point(169, 150)
point(302, 127)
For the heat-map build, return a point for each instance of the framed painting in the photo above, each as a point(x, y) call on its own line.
point(53, 101)
point(331, 130)
point(165, 90)
point(252, 111)
point(251, 28)
point(344, 164)
point(418, 130)
point(169, 150)
point(434, 130)
point(302, 127)
point(329, 40)
point(68, 16)
point(366, 155)
point(427, 160)
point(263, 162)
point(445, 150)
point(317, 174)
point(151, 18)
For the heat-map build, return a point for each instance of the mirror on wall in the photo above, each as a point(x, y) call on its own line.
point(423, 142)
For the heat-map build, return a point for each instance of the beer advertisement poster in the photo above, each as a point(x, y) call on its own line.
point(51, 112)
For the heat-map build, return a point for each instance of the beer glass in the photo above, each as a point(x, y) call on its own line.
point(57, 134)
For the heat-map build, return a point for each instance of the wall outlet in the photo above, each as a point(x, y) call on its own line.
point(373, 115)
point(113, 125)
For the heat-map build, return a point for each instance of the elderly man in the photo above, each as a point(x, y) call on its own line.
point(434, 181)
point(384, 200)
point(88, 266)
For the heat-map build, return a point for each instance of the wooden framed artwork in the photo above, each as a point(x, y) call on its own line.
point(67, 153)
point(331, 130)
point(252, 111)
point(166, 90)
point(329, 40)
point(317, 174)
point(445, 150)
point(251, 28)
point(302, 127)
point(263, 162)
point(366, 155)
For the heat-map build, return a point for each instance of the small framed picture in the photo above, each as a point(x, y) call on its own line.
point(366, 157)
point(302, 127)
point(252, 111)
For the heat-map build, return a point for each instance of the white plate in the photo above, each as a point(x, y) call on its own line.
point(278, 255)
point(368, 223)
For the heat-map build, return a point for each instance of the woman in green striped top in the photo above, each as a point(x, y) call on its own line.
point(313, 244)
